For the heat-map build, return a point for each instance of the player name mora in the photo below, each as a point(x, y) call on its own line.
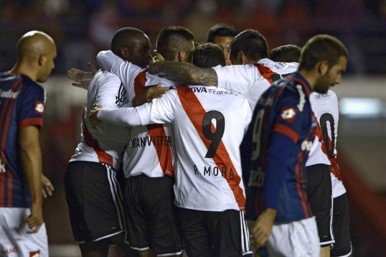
point(215, 171)
point(148, 140)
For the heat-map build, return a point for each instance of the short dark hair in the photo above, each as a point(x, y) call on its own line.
point(220, 30)
point(252, 43)
point(208, 55)
point(173, 39)
point(319, 48)
point(286, 53)
point(124, 36)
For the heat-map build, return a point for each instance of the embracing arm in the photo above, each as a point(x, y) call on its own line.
point(125, 116)
point(149, 94)
point(159, 111)
point(184, 72)
point(31, 158)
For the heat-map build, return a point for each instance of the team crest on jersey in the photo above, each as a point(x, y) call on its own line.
point(288, 114)
point(39, 107)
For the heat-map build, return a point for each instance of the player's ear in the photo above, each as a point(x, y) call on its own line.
point(42, 59)
point(322, 67)
point(181, 56)
point(242, 58)
point(124, 51)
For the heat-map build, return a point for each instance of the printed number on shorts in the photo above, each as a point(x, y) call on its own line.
point(213, 133)
point(327, 124)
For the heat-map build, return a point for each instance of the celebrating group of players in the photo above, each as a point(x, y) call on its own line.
point(180, 150)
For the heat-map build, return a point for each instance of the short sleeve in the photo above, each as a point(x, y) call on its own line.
point(289, 117)
point(236, 77)
point(31, 105)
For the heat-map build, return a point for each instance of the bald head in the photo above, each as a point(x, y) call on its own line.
point(36, 52)
point(34, 43)
point(132, 44)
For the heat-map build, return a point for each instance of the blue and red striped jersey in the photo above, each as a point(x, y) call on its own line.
point(22, 103)
point(282, 131)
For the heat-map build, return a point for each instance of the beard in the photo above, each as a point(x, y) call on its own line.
point(322, 84)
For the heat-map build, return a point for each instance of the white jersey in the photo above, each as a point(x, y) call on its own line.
point(104, 144)
point(325, 108)
point(252, 80)
point(209, 125)
point(149, 151)
point(323, 150)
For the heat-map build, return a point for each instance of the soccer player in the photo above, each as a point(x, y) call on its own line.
point(222, 34)
point(149, 159)
point(22, 102)
point(324, 179)
point(283, 132)
point(208, 125)
point(252, 72)
point(92, 179)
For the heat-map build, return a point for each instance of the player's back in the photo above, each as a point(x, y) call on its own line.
point(149, 149)
point(325, 108)
point(105, 143)
point(209, 125)
point(252, 79)
point(284, 109)
point(21, 104)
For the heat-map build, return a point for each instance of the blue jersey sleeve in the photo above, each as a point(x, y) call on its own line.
point(289, 116)
point(31, 104)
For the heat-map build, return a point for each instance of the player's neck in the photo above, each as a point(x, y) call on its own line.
point(25, 69)
point(310, 76)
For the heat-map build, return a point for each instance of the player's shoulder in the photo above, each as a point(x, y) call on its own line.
point(30, 85)
point(104, 78)
point(330, 96)
point(281, 68)
point(236, 69)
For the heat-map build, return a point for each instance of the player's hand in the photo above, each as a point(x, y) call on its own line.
point(149, 94)
point(263, 227)
point(35, 220)
point(81, 78)
point(155, 92)
point(47, 186)
point(153, 65)
point(93, 115)
point(157, 57)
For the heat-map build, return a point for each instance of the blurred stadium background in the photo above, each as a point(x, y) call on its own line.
point(82, 28)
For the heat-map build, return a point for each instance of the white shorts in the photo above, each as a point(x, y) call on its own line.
point(295, 239)
point(14, 239)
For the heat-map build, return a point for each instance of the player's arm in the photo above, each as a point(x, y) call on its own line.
point(107, 58)
point(125, 70)
point(160, 110)
point(81, 78)
point(183, 72)
point(125, 116)
point(149, 94)
point(280, 148)
point(31, 158)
